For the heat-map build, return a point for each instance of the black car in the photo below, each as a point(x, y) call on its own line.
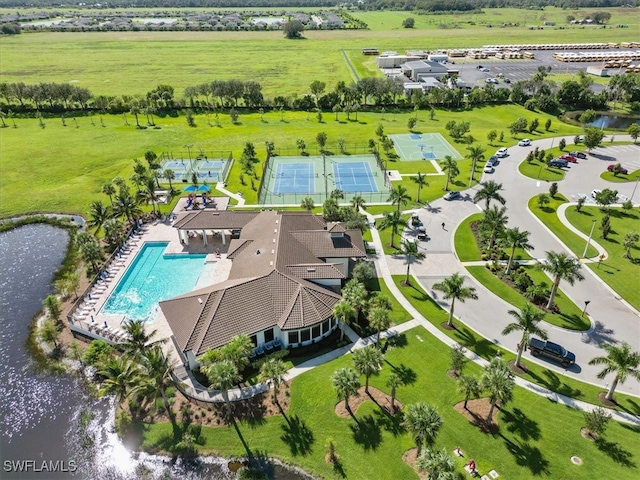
point(493, 161)
point(580, 155)
point(558, 163)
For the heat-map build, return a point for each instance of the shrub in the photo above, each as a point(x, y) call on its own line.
point(97, 350)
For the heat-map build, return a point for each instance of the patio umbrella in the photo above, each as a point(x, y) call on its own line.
point(204, 188)
point(190, 188)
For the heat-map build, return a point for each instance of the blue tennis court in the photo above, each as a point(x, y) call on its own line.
point(294, 178)
point(354, 177)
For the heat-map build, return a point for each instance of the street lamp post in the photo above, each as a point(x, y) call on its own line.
point(188, 147)
point(586, 304)
point(593, 226)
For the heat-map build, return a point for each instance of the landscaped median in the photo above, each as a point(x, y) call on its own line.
point(621, 178)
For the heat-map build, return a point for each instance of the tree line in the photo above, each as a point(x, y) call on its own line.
point(442, 6)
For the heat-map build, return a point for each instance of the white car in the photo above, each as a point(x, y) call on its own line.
point(524, 142)
point(502, 152)
point(488, 169)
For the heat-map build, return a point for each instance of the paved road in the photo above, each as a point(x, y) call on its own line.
point(612, 319)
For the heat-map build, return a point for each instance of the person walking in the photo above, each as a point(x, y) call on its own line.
point(443, 226)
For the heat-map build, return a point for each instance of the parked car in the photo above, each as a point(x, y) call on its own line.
point(480, 67)
point(422, 233)
point(484, 69)
point(580, 155)
point(488, 169)
point(415, 220)
point(491, 80)
point(558, 163)
point(569, 158)
point(502, 152)
point(551, 350)
point(452, 195)
point(525, 142)
point(623, 170)
point(507, 80)
point(493, 161)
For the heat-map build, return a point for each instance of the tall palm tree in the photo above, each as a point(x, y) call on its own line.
point(223, 376)
point(514, 238)
point(273, 371)
point(126, 206)
point(476, 154)
point(421, 180)
point(411, 252)
point(137, 337)
point(92, 253)
point(438, 465)
point(469, 386)
point(344, 313)
point(454, 289)
point(98, 214)
point(357, 202)
point(527, 320)
point(423, 422)
point(399, 196)
point(121, 374)
point(621, 360)
point(498, 380)
point(562, 267)
point(148, 193)
point(109, 190)
point(169, 175)
point(379, 319)
point(450, 166)
point(490, 191)
point(393, 382)
point(367, 360)
point(346, 383)
point(394, 221)
point(156, 368)
point(355, 294)
point(307, 204)
point(493, 223)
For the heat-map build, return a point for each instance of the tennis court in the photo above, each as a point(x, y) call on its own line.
point(423, 146)
point(354, 177)
point(294, 178)
point(206, 170)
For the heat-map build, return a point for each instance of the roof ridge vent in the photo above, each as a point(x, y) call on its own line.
point(311, 269)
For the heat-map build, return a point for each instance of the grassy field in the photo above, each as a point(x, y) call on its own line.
point(621, 274)
point(536, 437)
point(610, 177)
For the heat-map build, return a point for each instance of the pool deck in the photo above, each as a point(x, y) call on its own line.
point(89, 319)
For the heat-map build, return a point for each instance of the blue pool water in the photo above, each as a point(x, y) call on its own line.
point(151, 278)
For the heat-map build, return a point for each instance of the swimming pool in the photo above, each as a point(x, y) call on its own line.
point(151, 278)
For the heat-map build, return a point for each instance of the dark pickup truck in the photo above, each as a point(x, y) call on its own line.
point(551, 350)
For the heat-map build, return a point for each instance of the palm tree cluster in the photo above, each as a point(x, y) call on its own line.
point(333, 212)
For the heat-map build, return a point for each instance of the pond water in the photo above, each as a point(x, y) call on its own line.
point(49, 422)
point(614, 121)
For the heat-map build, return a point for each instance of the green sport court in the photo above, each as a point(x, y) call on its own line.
point(423, 146)
point(288, 180)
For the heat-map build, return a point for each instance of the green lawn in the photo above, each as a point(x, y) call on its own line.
point(570, 315)
point(540, 171)
point(464, 241)
point(610, 177)
point(548, 216)
point(619, 273)
point(486, 349)
point(398, 314)
point(536, 437)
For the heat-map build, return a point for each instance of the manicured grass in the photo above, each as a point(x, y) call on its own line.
point(621, 274)
point(385, 236)
point(464, 241)
point(486, 349)
point(540, 171)
point(610, 177)
point(398, 314)
point(536, 437)
point(570, 315)
point(548, 216)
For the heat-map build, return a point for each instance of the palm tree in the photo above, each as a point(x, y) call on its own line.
point(148, 193)
point(307, 204)
point(109, 190)
point(421, 180)
point(169, 175)
point(469, 386)
point(273, 371)
point(357, 202)
point(450, 166)
point(527, 320)
point(137, 337)
point(394, 381)
point(493, 223)
point(157, 370)
point(411, 252)
point(630, 240)
point(399, 196)
point(498, 380)
point(453, 289)
point(423, 422)
point(562, 267)
point(114, 233)
point(379, 319)
point(476, 154)
point(92, 253)
point(126, 206)
point(395, 221)
point(223, 375)
point(367, 360)
point(489, 191)
point(514, 238)
point(98, 214)
point(344, 313)
point(355, 294)
point(121, 374)
point(346, 384)
point(438, 464)
point(622, 361)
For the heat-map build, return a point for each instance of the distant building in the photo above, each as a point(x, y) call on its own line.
point(419, 69)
